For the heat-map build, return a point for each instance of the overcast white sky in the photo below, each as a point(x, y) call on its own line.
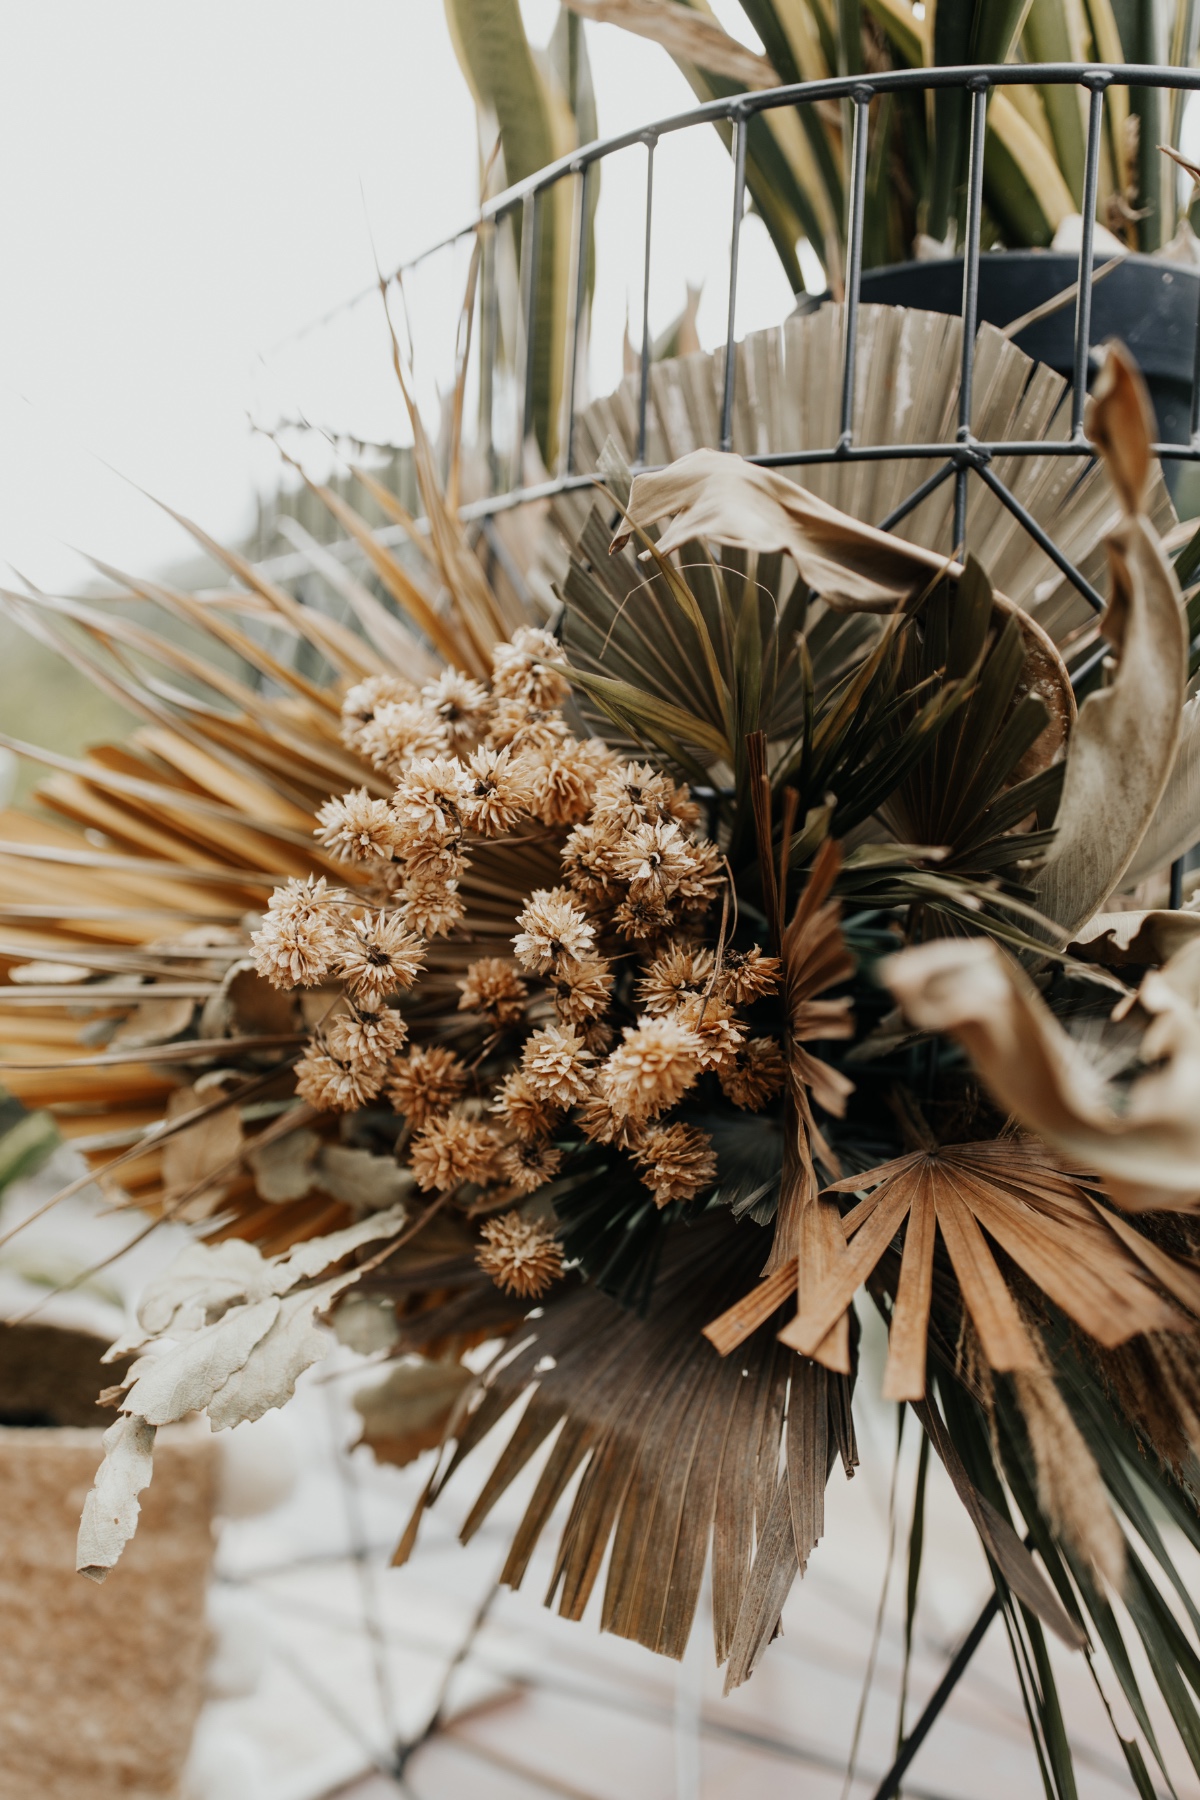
point(183, 186)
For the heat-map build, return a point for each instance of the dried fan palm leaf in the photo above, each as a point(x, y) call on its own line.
point(674, 1444)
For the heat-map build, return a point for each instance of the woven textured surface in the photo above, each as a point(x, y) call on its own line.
point(101, 1685)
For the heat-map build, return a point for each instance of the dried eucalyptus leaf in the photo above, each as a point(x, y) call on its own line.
point(212, 1277)
point(202, 1150)
point(267, 1377)
point(407, 1412)
point(154, 1022)
point(110, 1512)
point(284, 1169)
point(311, 1258)
point(187, 1376)
point(362, 1180)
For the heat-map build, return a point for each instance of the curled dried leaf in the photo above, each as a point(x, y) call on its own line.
point(1124, 744)
point(1148, 1152)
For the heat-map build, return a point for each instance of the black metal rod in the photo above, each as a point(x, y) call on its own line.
point(927, 487)
point(740, 130)
point(1060, 561)
point(889, 81)
point(970, 305)
point(1176, 899)
point(1083, 300)
point(644, 385)
point(889, 1787)
point(1194, 432)
point(842, 87)
point(529, 225)
point(854, 241)
point(581, 253)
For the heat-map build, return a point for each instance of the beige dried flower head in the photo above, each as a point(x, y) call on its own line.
point(298, 942)
point(522, 1256)
point(366, 1039)
point(519, 669)
point(427, 801)
point(715, 1025)
point(432, 906)
point(655, 855)
point(628, 794)
point(357, 828)
point(676, 972)
point(746, 975)
point(683, 809)
point(562, 780)
point(587, 858)
point(379, 955)
point(701, 881)
point(755, 1075)
point(426, 1082)
point(460, 706)
point(523, 1109)
point(678, 1162)
point(599, 1037)
point(528, 1164)
point(643, 916)
point(492, 986)
point(603, 1123)
point(653, 1067)
point(519, 726)
point(334, 1086)
point(552, 925)
point(433, 862)
point(400, 731)
point(498, 793)
point(364, 700)
point(447, 1151)
point(582, 988)
point(556, 1062)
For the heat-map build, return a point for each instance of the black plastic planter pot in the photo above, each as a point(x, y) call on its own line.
point(1151, 305)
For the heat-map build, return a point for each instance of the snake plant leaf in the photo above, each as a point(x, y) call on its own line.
point(1056, 31)
point(686, 33)
point(964, 31)
point(518, 88)
point(1024, 186)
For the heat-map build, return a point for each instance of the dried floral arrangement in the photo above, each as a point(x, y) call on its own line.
point(644, 997)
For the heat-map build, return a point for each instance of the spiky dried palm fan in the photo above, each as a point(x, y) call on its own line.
point(603, 1024)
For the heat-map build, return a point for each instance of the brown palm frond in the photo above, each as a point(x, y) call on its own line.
point(1049, 1225)
point(674, 1444)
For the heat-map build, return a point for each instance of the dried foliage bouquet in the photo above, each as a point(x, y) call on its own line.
point(642, 997)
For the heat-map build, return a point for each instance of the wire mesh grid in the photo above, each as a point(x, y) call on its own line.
point(960, 459)
point(956, 459)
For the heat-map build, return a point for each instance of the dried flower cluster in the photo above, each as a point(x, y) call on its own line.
point(610, 1009)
